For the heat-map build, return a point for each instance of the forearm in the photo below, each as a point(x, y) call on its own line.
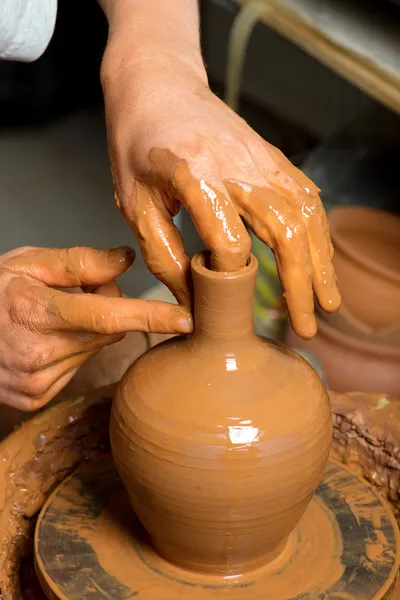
point(156, 30)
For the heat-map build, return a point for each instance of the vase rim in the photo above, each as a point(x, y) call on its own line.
point(202, 259)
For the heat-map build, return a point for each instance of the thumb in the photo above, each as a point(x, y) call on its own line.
point(71, 267)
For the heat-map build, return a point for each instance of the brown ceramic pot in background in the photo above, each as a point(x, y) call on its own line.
point(220, 438)
point(367, 263)
point(352, 364)
point(343, 320)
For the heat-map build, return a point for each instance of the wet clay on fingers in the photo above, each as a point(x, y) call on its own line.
point(284, 212)
point(221, 438)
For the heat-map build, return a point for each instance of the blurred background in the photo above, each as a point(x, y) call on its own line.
point(320, 80)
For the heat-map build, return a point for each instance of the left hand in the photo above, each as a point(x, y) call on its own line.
point(173, 142)
point(47, 334)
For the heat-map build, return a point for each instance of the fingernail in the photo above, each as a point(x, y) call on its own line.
point(185, 324)
point(130, 254)
point(123, 255)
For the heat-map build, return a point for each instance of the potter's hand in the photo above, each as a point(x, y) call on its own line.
point(46, 334)
point(173, 142)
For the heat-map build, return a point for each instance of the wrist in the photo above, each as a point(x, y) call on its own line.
point(151, 60)
point(153, 35)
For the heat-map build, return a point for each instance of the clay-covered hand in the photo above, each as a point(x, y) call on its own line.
point(172, 142)
point(46, 333)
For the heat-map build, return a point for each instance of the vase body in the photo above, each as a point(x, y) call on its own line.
point(220, 438)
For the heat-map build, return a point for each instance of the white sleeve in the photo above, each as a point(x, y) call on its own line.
point(26, 28)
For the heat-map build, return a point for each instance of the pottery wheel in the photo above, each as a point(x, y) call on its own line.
point(89, 544)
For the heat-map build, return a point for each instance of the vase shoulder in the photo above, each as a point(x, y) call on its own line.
point(259, 384)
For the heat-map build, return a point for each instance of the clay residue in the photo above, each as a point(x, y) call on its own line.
point(310, 564)
point(366, 437)
point(33, 460)
point(92, 510)
point(282, 207)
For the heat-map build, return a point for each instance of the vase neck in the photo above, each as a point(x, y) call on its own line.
point(223, 302)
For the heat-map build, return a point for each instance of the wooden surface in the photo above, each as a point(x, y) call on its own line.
point(375, 78)
point(88, 544)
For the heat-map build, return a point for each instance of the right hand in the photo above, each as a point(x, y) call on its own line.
point(173, 142)
point(47, 334)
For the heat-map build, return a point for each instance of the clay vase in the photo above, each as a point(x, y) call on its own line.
point(367, 263)
point(221, 437)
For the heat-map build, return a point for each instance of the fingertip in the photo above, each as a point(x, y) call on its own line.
point(122, 258)
point(332, 302)
point(306, 328)
point(130, 253)
point(182, 321)
point(185, 325)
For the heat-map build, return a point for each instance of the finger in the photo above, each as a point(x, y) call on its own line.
point(285, 166)
point(70, 267)
point(16, 252)
point(110, 289)
point(28, 403)
point(274, 223)
point(321, 253)
point(160, 242)
point(107, 316)
point(31, 391)
point(216, 219)
point(302, 195)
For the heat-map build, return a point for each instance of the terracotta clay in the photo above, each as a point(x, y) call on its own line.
point(33, 460)
point(367, 263)
point(366, 438)
point(343, 320)
point(351, 364)
point(89, 544)
point(48, 447)
point(220, 438)
point(293, 225)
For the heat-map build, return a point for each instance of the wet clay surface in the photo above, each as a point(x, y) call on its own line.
point(221, 438)
point(366, 437)
point(88, 543)
point(76, 431)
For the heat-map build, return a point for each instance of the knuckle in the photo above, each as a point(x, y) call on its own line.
point(34, 361)
point(26, 307)
point(35, 386)
point(150, 317)
point(70, 264)
point(227, 138)
point(291, 231)
point(20, 308)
